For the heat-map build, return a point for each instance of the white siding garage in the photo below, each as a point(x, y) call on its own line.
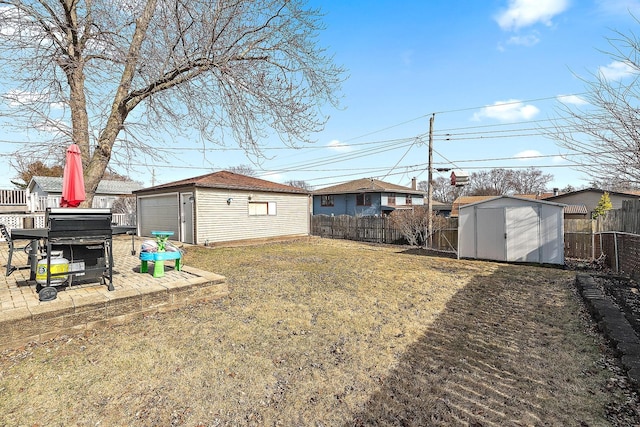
point(512, 229)
point(158, 213)
point(224, 207)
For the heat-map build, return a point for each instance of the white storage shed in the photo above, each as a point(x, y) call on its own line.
point(512, 229)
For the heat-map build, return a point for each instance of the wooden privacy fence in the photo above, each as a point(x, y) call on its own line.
point(625, 219)
point(580, 238)
point(379, 230)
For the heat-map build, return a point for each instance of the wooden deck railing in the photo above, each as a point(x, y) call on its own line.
point(13, 198)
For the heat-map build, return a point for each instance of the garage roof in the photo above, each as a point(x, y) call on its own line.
point(228, 181)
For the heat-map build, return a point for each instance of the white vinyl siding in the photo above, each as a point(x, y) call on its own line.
point(219, 221)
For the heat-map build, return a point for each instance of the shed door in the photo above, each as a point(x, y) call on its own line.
point(523, 234)
point(490, 234)
point(159, 213)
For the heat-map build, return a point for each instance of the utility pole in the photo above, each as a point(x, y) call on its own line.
point(430, 185)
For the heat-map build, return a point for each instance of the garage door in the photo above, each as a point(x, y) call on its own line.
point(159, 213)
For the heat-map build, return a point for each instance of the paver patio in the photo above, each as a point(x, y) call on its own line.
point(24, 318)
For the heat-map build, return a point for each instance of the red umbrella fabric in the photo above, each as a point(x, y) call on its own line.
point(72, 182)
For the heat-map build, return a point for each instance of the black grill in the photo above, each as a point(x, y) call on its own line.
point(85, 238)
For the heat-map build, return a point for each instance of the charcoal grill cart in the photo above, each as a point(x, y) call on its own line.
point(84, 239)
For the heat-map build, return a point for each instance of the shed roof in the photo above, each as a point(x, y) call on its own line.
point(576, 209)
point(367, 185)
point(229, 181)
point(472, 200)
point(490, 198)
point(53, 184)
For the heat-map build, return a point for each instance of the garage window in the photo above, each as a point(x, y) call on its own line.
point(262, 208)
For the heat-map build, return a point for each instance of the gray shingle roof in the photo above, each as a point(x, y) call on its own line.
point(53, 184)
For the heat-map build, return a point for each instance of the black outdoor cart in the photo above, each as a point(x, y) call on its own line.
point(84, 236)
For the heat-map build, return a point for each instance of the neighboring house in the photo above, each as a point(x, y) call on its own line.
point(223, 207)
point(442, 209)
point(507, 228)
point(45, 192)
point(589, 198)
point(366, 197)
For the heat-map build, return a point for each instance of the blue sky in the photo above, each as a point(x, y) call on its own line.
point(491, 71)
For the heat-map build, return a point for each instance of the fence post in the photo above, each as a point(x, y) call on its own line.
point(615, 250)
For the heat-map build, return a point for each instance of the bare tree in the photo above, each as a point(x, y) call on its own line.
point(243, 170)
point(529, 181)
point(494, 182)
point(412, 224)
point(117, 78)
point(443, 191)
point(300, 184)
point(603, 132)
point(497, 182)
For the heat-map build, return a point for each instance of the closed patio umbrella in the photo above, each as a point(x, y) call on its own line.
point(72, 182)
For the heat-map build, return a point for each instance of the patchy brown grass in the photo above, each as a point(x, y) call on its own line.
point(328, 333)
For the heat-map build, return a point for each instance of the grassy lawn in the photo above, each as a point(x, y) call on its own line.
point(330, 333)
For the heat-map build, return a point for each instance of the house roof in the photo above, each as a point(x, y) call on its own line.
point(535, 196)
point(366, 185)
point(465, 200)
point(230, 181)
point(630, 193)
point(53, 184)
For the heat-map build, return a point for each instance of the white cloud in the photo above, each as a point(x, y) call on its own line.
point(617, 70)
point(524, 13)
point(53, 126)
point(507, 111)
point(530, 40)
point(572, 99)
point(338, 146)
point(20, 97)
point(17, 98)
point(12, 23)
point(527, 155)
point(558, 160)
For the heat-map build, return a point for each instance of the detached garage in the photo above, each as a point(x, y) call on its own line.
point(222, 207)
point(512, 229)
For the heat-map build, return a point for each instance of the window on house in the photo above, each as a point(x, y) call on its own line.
point(326, 200)
point(363, 199)
point(262, 208)
point(408, 200)
point(391, 199)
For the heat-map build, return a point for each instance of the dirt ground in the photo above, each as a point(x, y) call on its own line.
point(335, 333)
